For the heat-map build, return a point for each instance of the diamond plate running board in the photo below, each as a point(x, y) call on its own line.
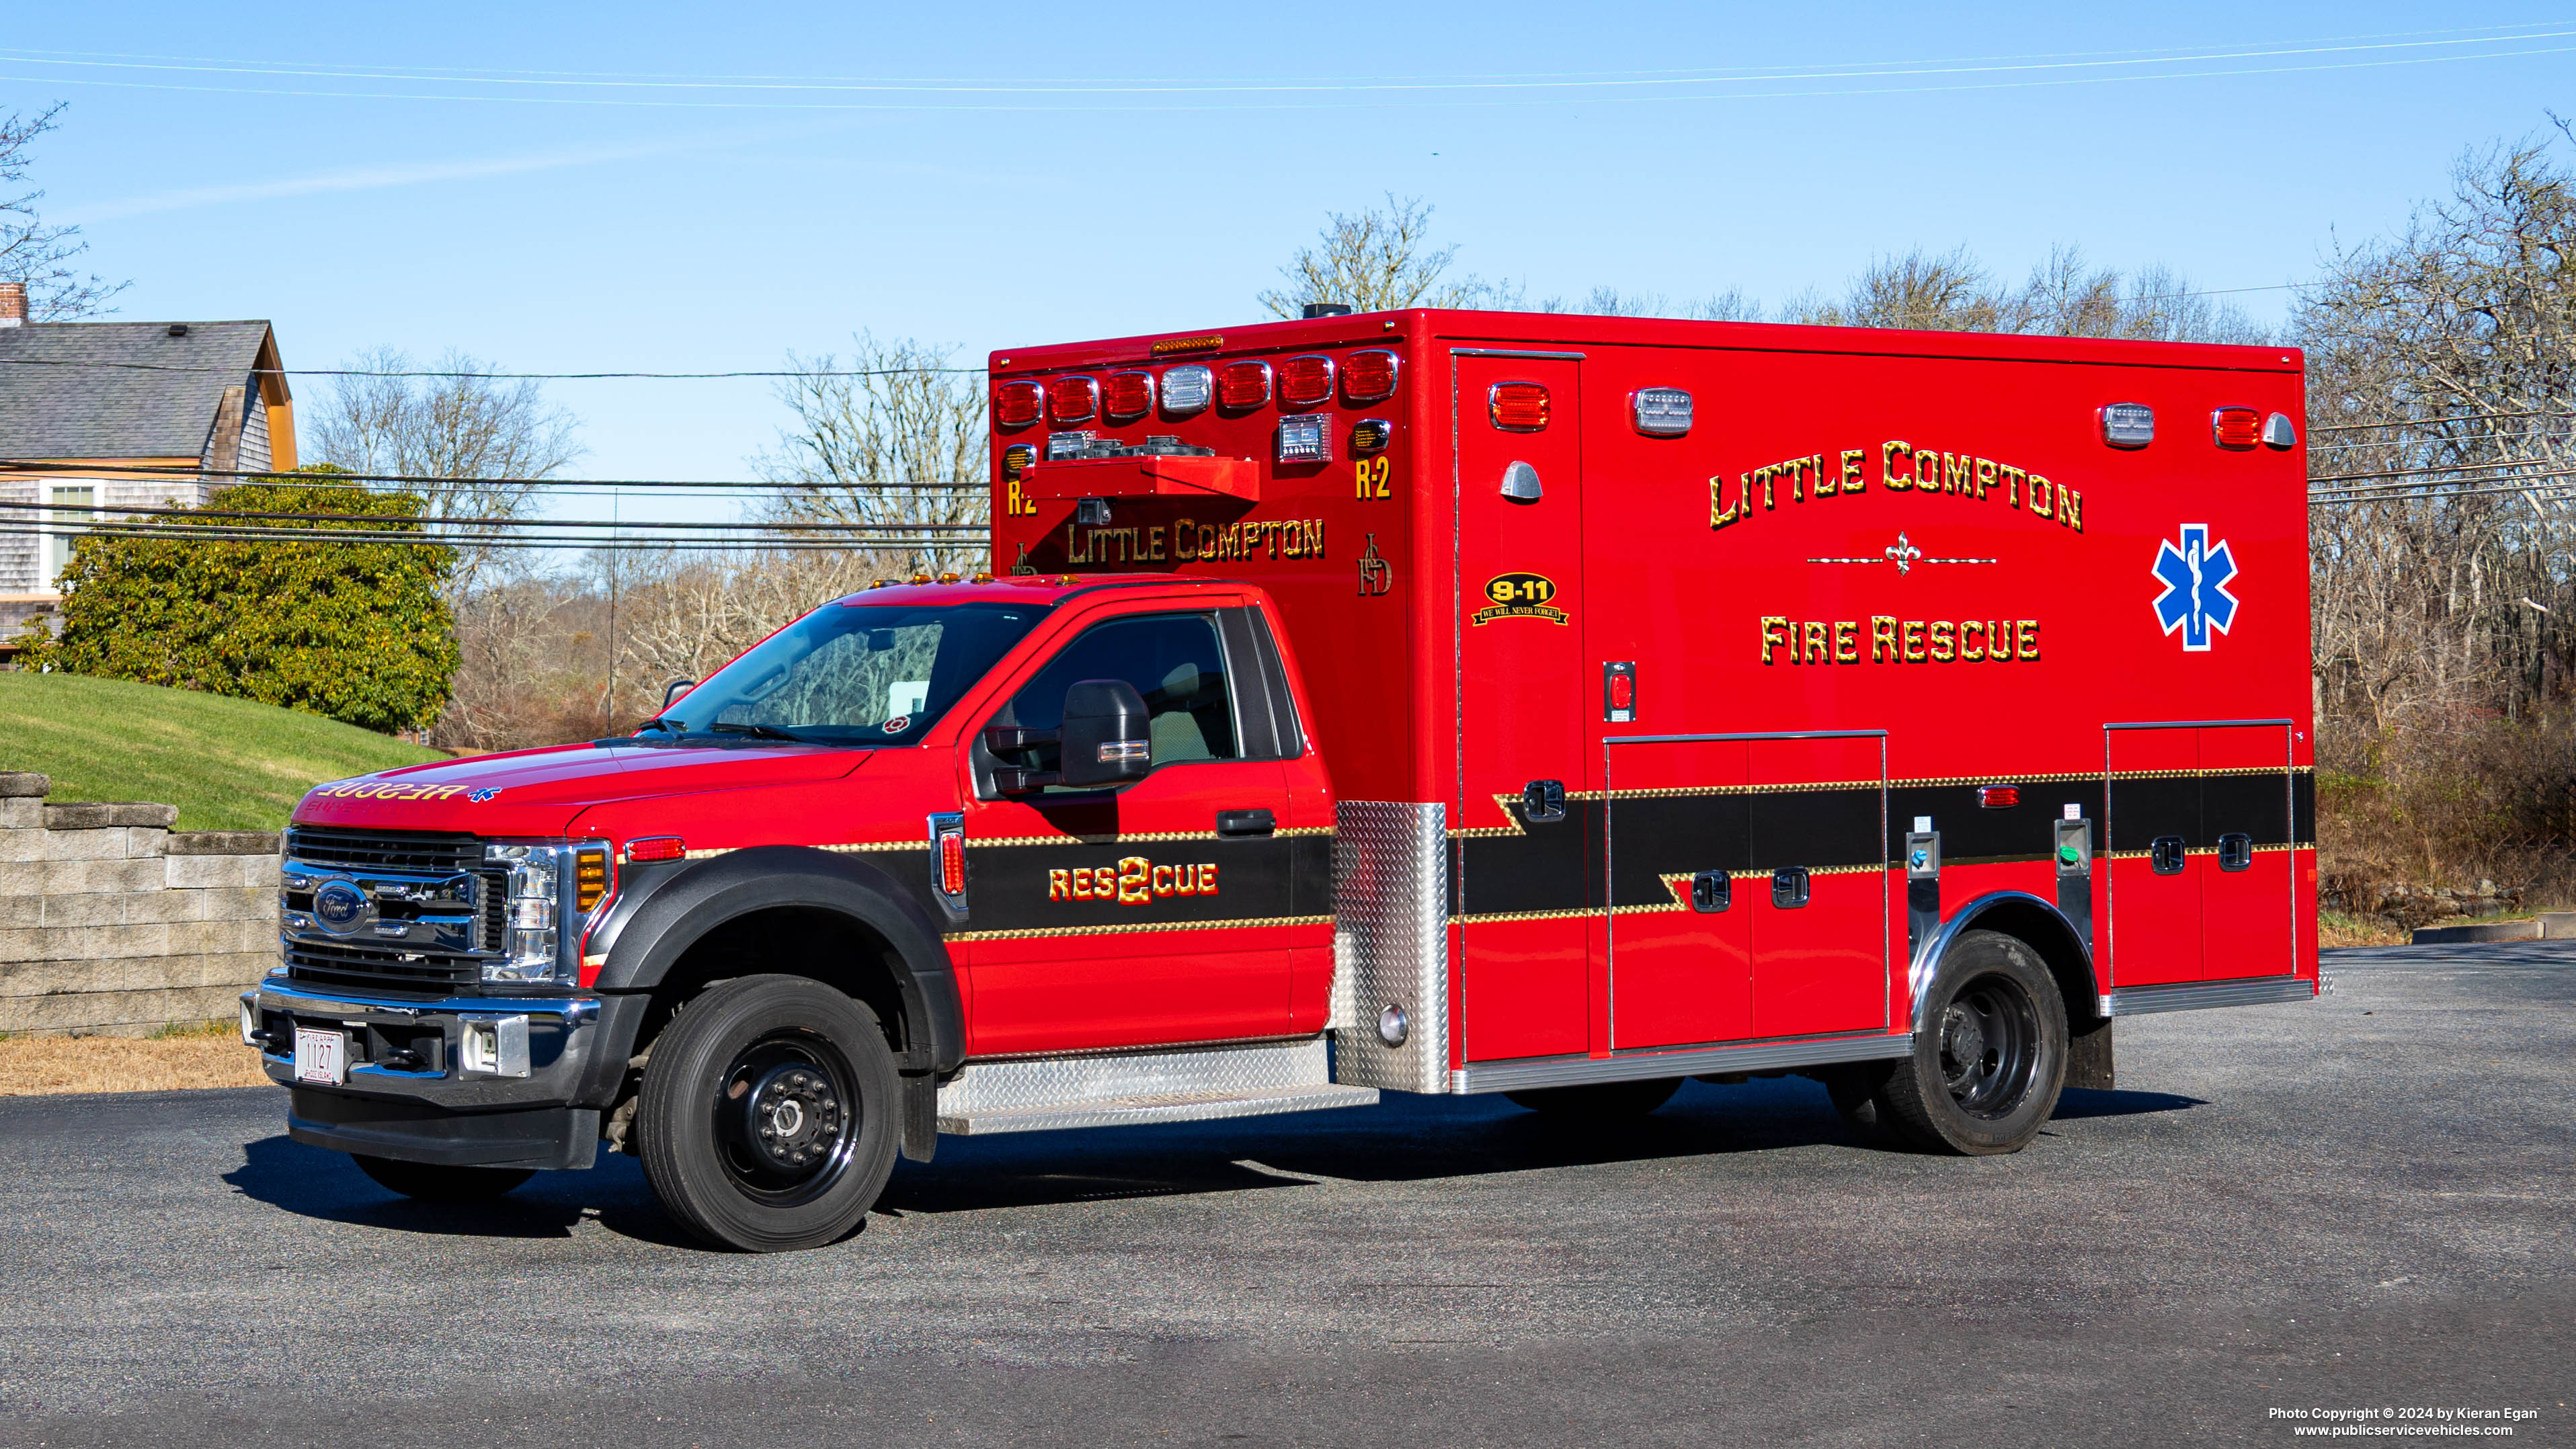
point(1043, 1094)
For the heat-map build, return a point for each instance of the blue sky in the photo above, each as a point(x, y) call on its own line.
point(562, 188)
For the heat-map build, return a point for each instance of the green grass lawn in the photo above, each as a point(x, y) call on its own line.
point(228, 764)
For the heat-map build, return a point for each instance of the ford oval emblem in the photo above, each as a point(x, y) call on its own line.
point(340, 907)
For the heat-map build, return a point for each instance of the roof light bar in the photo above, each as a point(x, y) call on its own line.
point(1018, 404)
point(1243, 386)
point(1660, 412)
point(1306, 381)
point(2128, 425)
point(1187, 390)
point(1517, 407)
point(2236, 429)
point(1126, 396)
point(1072, 399)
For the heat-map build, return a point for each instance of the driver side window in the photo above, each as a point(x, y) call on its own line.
point(1174, 661)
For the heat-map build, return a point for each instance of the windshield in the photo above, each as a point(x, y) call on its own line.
point(852, 674)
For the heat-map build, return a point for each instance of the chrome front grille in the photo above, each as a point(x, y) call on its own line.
point(432, 913)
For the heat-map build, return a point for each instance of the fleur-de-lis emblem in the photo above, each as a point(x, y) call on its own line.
point(1903, 554)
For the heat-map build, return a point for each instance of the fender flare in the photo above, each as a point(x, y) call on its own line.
point(662, 911)
point(2029, 918)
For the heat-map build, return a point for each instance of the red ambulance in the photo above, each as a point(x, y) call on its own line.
point(1420, 701)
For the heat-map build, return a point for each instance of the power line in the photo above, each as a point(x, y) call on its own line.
point(123, 473)
point(492, 376)
point(2433, 423)
point(15, 529)
point(2436, 468)
point(401, 521)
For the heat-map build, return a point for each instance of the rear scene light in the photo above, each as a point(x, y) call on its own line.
point(1998, 797)
point(1127, 395)
point(1017, 404)
point(1072, 399)
point(1067, 445)
point(1306, 381)
point(1369, 376)
point(952, 862)
point(1517, 407)
point(1243, 385)
point(1661, 412)
point(656, 847)
point(2236, 428)
point(2128, 425)
point(1305, 440)
point(1186, 390)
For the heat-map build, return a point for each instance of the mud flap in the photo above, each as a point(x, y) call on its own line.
point(920, 1116)
point(2088, 1056)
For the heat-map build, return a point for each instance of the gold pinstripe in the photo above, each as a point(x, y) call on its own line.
point(860, 847)
point(1505, 801)
point(1139, 928)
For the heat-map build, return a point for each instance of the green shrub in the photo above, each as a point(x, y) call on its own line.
point(350, 631)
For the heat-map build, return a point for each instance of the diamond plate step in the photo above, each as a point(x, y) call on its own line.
point(1169, 1107)
point(1104, 1089)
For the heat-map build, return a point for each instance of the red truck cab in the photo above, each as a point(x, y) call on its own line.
point(1420, 701)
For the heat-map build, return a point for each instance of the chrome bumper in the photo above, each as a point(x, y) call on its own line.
point(540, 1113)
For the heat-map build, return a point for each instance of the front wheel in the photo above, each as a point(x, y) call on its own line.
point(1989, 1052)
point(430, 1182)
point(770, 1114)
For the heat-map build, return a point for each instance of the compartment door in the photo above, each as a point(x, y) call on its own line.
point(2152, 823)
point(2248, 897)
point(1527, 889)
point(1681, 966)
point(1819, 899)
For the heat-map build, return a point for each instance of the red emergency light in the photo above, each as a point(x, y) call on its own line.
point(1243, 386)
point(656, 847)
point(1018, 404)
point(1072, 399)
point(1998, 797)
point(1127, 395)
point(1369, 376)
point(1306, 381)
point(952, 863)
point(1517, 407)
point(2236, 429)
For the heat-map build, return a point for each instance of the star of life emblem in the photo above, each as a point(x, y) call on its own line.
point(2195, 573)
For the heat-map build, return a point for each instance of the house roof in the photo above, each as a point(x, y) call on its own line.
point(155, 397)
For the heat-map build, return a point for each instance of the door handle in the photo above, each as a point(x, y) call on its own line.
point(1542, 802)
point(1243, 823)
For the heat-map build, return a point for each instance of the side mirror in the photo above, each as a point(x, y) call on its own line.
point(1108, 737)
point(675, 689)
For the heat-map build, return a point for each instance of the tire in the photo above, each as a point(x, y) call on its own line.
point(770, 1114)
point(1989, 1052)
point(1599, 1101)
point(430, 1182)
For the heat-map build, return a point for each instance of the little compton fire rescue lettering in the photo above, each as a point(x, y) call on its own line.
point(1419, 701)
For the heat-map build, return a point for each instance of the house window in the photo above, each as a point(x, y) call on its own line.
point(66, 526)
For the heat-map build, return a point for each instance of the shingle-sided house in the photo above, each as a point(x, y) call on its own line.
point(95, 402)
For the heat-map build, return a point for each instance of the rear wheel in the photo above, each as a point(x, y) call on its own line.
point(431, 1182)
point(1989, 1052)
point(769, 1115)
point(1599, 1099)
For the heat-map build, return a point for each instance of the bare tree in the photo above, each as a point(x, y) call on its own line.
point(494, 438)
point(1378, 261)
point(33, 253)
point(894, 438)
point(1946, 293)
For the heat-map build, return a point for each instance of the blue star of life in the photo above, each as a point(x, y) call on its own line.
point(2195, 574)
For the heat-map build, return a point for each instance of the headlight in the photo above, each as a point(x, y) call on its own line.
point(552, 891)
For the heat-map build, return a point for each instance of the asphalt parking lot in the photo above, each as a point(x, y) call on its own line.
point(2361, 1202)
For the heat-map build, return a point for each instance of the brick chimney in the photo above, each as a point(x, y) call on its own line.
point(13, 303)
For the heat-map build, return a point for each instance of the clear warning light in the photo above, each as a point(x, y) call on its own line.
point(1305, 439)
point(1661, 412)
point(2128, 425)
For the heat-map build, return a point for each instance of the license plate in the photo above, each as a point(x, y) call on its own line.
point(321, 1056)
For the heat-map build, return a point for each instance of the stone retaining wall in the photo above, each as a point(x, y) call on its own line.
point(113, 923)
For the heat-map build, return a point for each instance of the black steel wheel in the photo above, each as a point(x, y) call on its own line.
point(430, 1182)
point(770, 1113)
point(1599, 1100)
point(1989, 1051)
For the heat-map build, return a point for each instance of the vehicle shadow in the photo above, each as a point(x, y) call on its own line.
point(316, 1183)
point(2077, 1103)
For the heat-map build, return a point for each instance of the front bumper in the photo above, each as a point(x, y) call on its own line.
point(409, 1095)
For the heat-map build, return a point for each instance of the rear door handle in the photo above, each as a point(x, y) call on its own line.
point(1245, 822)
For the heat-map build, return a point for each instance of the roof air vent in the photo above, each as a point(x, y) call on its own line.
point(178, 329)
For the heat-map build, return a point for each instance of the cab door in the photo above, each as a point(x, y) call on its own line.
point(1151, 915)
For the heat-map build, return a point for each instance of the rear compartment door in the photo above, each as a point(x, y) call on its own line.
point(1679, 842)
point(1819, 892)
point(2247, 881)
point(1528, 889)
